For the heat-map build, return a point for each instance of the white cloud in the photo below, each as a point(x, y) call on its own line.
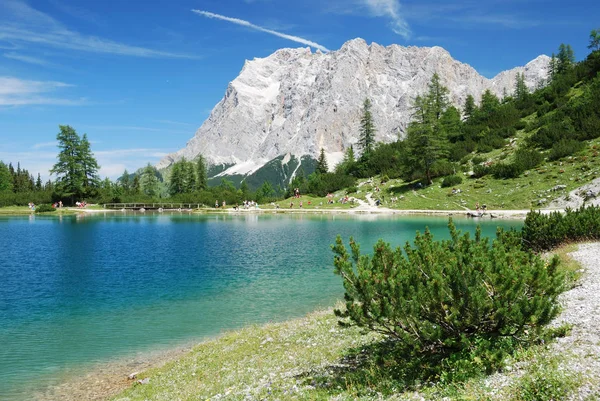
point(250, 25)
point(19, 92)
point(45, 145)
point(26, 59)
point(389, 9)
point(21, 24)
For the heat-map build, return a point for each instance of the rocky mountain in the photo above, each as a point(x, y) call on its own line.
point(293, 103)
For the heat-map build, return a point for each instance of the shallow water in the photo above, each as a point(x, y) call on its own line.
point(79, 290)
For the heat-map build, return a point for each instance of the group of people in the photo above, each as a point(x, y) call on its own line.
point(31, 206)
point(57, 205)
point(482, 208)
point(81, 204)
point(296, 193)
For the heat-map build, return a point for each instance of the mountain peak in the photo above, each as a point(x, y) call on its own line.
point(297, 102)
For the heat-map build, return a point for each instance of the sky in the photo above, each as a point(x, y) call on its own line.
point(139, 77)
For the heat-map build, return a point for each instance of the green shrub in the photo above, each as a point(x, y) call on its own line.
point(451, 297)
point(480, 171)
point(44, 208)
point(527, 159)
point(478, 159)
point(506, 170)
point(352, 190)
point(565, 147)
point(544, 232)
point(451, 181)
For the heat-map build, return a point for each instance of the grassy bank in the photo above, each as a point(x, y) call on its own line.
point(25, 211)
point(312, 358)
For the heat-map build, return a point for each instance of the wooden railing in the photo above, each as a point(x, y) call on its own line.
point(152, 206)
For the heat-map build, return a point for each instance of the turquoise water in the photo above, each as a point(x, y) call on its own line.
point(87, 289)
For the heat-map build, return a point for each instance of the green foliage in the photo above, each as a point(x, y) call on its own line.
point(322, 184)
point(543, 232)
point(506, 170)
point(594, 40)
point(451, 181)
point(565, 147)
point(44, 208)
point(527, 159)
point(367, 129)
point(450, 298)
point(480, 170)
point(201, 174)
point(149, 181)
point(322, 166)
point(545, 380)
point(6, 182)
point(76, 169)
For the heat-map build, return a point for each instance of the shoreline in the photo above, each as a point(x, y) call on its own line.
point(360, 210)
point(106, 380)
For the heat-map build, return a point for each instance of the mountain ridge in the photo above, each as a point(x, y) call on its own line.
point(295, 102)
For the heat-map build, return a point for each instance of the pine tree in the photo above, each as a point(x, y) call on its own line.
point(594, 40)
point(125, 182)
point(322, 166)
point(552, 67)
point(201, 174)
point(566, 58)
point(70, 173)
point(89, 165)
point(521, 90)
point(367, 129)
point(177, 183)
point(470, 108)
point(489, 102)
point(136, 187)
point(149, 181)
point(6, 181)
point(38, 183)
point(245, 190)
point(189, 176)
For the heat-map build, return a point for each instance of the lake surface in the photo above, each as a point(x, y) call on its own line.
point(80, 290)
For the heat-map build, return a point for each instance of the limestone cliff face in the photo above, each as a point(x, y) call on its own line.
point(295, 102)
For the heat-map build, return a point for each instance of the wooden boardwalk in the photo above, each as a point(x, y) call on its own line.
point(152, 206)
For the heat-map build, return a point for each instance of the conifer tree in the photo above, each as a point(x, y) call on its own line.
point(521, 90)
point(89, 166)
point(201, 174)
point(6, 182)
point(177, 183)
point(437, 97)
point(322, 166)
point(470, 107)
point(245, 190)
point(426, 138)
point(552, 67)
point(189, 176)
point(565, 58)
point(125, 182)
point(38, 183)
point(367, 129)
point(594, 40)
point(149, 181)
point(136, 187)
point(69, 171)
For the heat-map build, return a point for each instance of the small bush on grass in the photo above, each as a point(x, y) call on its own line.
point(44, 208)
point(451, 181)
point(565, 147)
point(463, 302)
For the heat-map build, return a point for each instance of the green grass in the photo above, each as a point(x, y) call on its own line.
point(312, 358)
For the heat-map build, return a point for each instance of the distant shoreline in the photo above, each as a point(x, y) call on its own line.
point(361, 210)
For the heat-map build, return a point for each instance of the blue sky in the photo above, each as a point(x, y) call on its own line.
point(139, 77)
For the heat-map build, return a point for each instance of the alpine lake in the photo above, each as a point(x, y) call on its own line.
point(77, 291)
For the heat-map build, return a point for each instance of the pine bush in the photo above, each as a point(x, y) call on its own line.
point(449, 297)
point(451, 181)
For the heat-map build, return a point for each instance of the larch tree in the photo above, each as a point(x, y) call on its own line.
point(521, 90)
point(68, 169)
point(565, 58)
point(426, 137)
point(367, 129)
point(89, 166)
